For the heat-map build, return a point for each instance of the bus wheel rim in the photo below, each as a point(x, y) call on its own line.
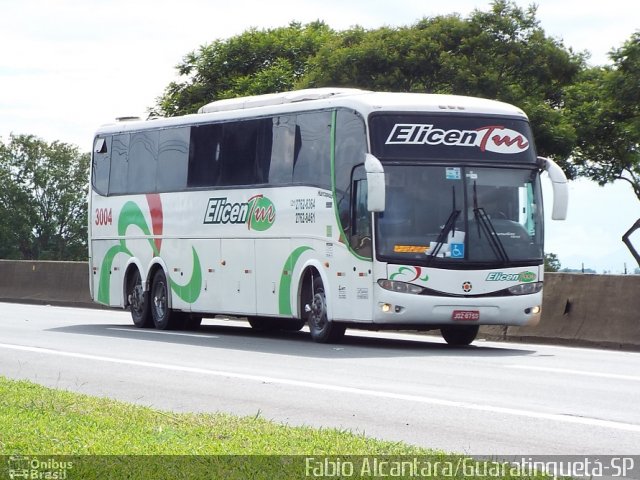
point(137, 298)
point(160, 299)
point(319, 311)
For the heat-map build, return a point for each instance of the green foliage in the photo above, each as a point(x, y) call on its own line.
point(252, 63)
point(551, 262)
point(500, 54)
point(43, 200)
point(586, 119)
point(604, 104)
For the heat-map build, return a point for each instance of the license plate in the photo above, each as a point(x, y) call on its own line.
point(465, 315)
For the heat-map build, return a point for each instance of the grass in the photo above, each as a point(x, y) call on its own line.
point(127, 441)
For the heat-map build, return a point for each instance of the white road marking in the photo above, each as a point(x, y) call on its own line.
point(614, 376)
point(593, 422)
point(163, 332)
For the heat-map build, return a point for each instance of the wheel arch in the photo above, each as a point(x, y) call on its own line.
point(309, 269)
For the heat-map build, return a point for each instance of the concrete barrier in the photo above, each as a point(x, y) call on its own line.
point(577, 309)
point(583, 309)
point(59, 283)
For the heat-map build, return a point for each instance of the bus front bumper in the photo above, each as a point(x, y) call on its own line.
point(393, 308)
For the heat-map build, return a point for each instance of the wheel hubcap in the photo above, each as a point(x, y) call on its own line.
point(137, 298)
point(160, 299)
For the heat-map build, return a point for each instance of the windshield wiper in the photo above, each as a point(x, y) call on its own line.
point(449, 226)
point(486, 226)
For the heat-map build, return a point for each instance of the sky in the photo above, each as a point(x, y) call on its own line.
point(69, 66)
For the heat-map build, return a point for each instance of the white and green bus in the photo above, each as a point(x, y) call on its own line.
point(338, 208)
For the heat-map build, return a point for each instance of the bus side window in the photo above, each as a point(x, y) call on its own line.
point(173, 159)
point(312, 161)
point(204, 155)
point(284, 135)
point(143, 162)
point(361, 237)
point(119, 164)
point(263, 150)
point(233, 154)
point(241, 152)
point(101, 165)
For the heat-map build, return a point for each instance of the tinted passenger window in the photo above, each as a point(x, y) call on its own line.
point(204, 155)
point(244, 148)
point(232, 153)
point(143, 162)
point(119, 164)
point(173, 159)
point(101, 165)
point(313, 149)
point(284, 139)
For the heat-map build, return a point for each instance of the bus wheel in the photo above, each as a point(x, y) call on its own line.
point(322, 330)
point(163, 317)
point(139, 302)
point(459, 335)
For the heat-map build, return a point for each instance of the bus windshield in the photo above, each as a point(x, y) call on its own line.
point(448, 216)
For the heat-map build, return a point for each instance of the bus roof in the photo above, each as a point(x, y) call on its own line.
point(268, 99)
point(366, 98)
point(363, 101)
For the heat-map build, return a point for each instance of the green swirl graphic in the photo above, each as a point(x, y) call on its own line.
point(191, 291)
point(284, 292)
point(131, 215)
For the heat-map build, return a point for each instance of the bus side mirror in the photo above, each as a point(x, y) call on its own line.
point(560, 188)
point(375, 184)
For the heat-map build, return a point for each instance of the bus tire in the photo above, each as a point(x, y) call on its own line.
point(459, 335)
point(138, 300)
point(163, 317)
point(322, 329)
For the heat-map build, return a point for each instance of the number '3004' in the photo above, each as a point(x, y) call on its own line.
point(104, 216)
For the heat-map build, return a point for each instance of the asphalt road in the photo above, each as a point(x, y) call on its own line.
point(486, 399)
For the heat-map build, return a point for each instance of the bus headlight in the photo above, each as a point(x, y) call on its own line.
point(400, 287)
point(525, 288)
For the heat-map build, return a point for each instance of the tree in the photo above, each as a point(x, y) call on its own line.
point(254, 62)
point(43, 200)
point(551, 262)
point(604, 104)
point(15, 221)
point(500, 54)
point(605, 107)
